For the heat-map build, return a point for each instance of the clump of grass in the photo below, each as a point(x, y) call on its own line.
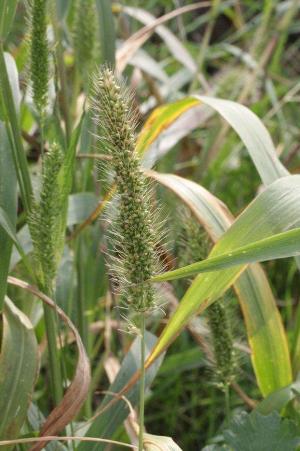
point(136, 258)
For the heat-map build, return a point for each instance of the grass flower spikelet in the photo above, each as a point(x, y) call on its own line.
point(45, 218)
point(222, 340)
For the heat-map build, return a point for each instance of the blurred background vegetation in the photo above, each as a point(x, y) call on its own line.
point(242, 50)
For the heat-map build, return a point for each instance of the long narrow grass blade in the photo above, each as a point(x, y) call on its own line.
point(177, 49)
point(66, 174)
point(264, 326)
point(19, 363)
point(8, 228)
point(8, 206)
point(7, 232)
point(280, 245)
point(107, 31)
point(8, 99)
point(7, 9)
point(253, 134)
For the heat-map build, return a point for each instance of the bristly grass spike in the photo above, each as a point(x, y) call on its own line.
point(135, 240)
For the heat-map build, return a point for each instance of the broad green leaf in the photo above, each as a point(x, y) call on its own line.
point(8, 207)
point(258, 432)
point(281, 245)
point(7, 9)
point(270, 355)
point(108, 422)
point(278, 399)
point(18, 370)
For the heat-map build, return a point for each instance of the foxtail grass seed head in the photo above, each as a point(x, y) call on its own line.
point(136, 258)
point(194, 246)
point(44, 221)
point(39, 54)
point(84, 35)
point(192, 243)
point(222, 341)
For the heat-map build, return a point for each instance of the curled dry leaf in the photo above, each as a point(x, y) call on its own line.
point(77, 392)
point(156, 442)
point(159, 443)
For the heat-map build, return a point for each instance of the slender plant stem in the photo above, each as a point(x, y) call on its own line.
point(51, 317)
point(283, 31)
point(227, 403)
point(42, 144)
point(82, 323)
point(205, 43)
point(82, 320)
point(54, 362)
point(142, 384)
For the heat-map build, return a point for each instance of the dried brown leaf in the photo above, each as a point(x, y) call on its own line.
point(77, 392)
